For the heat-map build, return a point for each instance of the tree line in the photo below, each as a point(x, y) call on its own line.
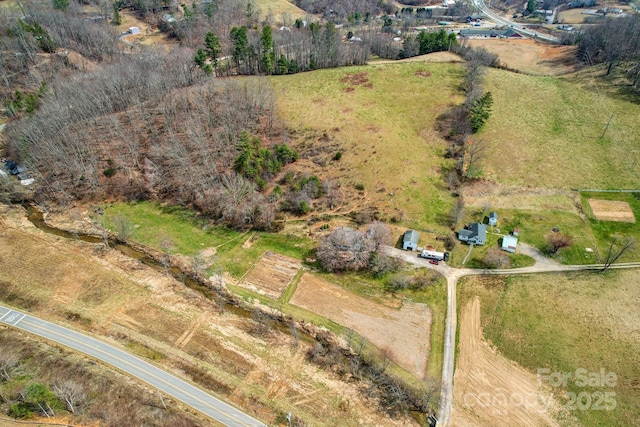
point(614, 43)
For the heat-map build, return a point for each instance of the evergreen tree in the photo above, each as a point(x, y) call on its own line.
point(212, 43)
point(480, 111)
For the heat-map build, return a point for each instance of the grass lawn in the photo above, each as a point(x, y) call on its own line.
point(477, 254)
point(565, 322)
point(604, 231)
point(189, 234)
point(534, 226)
point(554, 139)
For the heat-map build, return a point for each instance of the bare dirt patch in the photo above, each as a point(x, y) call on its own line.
point(404, 333)
point(149, 312)
point(530, 56)
point(423, 73)
point(356, 79)
point(611, 210)
point(271, 275)
point(492, 390)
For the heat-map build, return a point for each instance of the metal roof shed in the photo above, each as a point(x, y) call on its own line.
point(410, 240)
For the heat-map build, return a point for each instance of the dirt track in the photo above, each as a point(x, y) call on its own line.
point(490, 389)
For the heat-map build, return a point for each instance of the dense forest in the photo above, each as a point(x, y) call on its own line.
point(166, 122)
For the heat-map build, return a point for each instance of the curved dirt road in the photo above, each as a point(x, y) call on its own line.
point(542, 265)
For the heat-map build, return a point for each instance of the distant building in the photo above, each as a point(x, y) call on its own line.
point(509, 33)
point(509, 243)
point(410, 240)
point(474, 234)
point(134, 30)
point(493, 218)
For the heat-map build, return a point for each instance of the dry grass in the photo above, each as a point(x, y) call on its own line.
point(404, 333)
point(530, 56)
point(547, 132)
point(383, 128)
point(568, 321)
point(271, 275)
point(611, 210)
point(282, 10)
point(127, 303)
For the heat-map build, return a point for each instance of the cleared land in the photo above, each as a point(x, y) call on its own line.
point(131, 305)
point(271, 275)
point(611, 210)
point(282, 11)
point(555, 137)
point(565, 322)
point(530, 56)
point(404, 333)
point(383, 124)
point(490, 389)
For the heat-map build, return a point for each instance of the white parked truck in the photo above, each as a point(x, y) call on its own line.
point(438, 256)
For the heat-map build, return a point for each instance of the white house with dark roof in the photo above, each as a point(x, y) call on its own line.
point(474, 234)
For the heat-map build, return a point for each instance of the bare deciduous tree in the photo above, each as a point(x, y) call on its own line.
point(618, 247)
point(122, 227)
point(496, 258)
point(379, 233)
point(557, 241)
point(71, 393)
point(345, 249)
point(8, 361)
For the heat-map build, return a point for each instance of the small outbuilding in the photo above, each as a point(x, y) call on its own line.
point(509, 243)
point(493, 218)
point(474, 234)
point(134, 30)
point(410, 240)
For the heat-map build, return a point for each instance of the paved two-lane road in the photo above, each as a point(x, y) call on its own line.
point(125, 362)
point(480, 4)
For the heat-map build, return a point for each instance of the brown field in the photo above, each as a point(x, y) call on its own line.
point(490, 390)
point(404, 333)
point(486, 193)
point(271, 275)
point(130, 305)
point(573, 16)
point(530, 56)
point(611, 210)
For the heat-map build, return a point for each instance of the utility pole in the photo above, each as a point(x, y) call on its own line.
point(607, 126)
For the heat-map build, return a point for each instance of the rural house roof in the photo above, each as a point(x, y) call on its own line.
point(489, 32)
point(509, 243)
point(475, 231)
point(411, 236)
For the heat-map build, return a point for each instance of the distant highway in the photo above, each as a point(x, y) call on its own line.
point(482, 7)
point(129, 364)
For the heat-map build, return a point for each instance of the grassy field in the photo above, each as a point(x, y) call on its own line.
point(554, 139)
point(189, 234)
point(381, 118)
point(154, 223)
point(280, 9)
point(567, 322)
point(605, 231)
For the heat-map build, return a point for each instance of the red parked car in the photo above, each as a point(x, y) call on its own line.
point(434, 262)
